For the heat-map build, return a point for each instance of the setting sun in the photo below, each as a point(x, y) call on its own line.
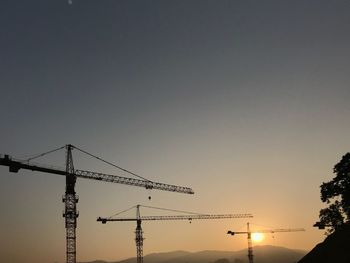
point(257, 237)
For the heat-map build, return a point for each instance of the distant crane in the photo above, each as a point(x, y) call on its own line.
point(249, 237)
point(139, 238)
point(322, 225)
point(70, 198)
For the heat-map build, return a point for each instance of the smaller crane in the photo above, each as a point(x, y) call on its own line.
point(249, 237)
point(139, 238)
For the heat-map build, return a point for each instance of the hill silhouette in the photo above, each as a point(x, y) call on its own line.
point(263, 254)
point(335, 248)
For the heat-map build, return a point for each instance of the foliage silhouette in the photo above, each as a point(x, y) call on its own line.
point(336, 193)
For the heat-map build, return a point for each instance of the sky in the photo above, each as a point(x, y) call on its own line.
point(246, 102)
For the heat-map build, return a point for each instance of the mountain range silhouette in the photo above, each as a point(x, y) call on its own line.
point(262, 254)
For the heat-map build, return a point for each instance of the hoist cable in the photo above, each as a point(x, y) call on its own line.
point(112, 164)
point(42, 154)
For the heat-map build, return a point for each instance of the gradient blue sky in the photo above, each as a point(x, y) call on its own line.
point(247, 102)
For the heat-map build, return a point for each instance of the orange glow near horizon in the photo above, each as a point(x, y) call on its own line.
point(257, 237)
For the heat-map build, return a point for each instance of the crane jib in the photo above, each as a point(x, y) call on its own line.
point(132, 181)
point(174, 217)
point(15, 166)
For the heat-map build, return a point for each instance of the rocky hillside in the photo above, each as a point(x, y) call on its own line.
point(335, 248)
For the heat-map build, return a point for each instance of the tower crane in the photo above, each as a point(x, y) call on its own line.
point(70, 198)
point(139, 237)
point(249, 236)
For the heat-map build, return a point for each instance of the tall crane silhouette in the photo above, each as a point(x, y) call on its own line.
point(70, 198)
point(249, 237)
point(139, 233)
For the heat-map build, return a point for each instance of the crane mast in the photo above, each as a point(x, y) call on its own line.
point(249, 237)
point(139, 237)
point(139, 233)
point(250, 245)
point(70, 208)
point(70, 198)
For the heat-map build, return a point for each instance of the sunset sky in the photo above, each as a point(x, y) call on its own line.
point(247, 102)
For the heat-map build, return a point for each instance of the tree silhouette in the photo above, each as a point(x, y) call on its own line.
point(336, 193)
